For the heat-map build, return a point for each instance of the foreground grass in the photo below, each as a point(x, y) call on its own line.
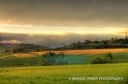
point(61, 74)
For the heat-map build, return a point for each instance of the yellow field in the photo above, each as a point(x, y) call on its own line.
point(61, 74)
point(69, 52)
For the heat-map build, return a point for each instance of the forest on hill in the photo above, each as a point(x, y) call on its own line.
point(89, 44)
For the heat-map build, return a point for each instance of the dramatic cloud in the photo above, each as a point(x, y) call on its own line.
point(62, 21)
point(65, 12)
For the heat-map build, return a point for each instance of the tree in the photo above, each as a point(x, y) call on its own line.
point(110, 57)
point(60, 59)
point(51, 58)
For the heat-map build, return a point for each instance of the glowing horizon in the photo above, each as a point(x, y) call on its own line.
point(58, 30)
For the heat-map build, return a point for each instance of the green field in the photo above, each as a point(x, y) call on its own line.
point(61, 74)
point(9, 60)
point(29, 70)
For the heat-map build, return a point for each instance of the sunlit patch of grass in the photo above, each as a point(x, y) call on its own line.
point(60, 74)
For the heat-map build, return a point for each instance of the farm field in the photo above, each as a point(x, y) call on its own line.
point(36, 60)
point(64, 74)
point(27, 68)
point(77, 52)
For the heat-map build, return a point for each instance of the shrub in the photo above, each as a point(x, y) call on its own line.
point(51, 58)
point(108, 58)
point(99, 60)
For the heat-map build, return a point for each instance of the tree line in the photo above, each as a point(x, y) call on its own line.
point(89, 44)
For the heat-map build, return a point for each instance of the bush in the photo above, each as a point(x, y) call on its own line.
point(108, 58)
point(99, 60)
point(51, 58)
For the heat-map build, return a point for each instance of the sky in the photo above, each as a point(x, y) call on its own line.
point(62, 17)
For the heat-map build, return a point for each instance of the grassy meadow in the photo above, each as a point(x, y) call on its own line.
point(64, 74)
point(26, 68)
point(11, 60)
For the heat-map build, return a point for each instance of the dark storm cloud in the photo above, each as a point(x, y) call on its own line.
point(65, 12)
